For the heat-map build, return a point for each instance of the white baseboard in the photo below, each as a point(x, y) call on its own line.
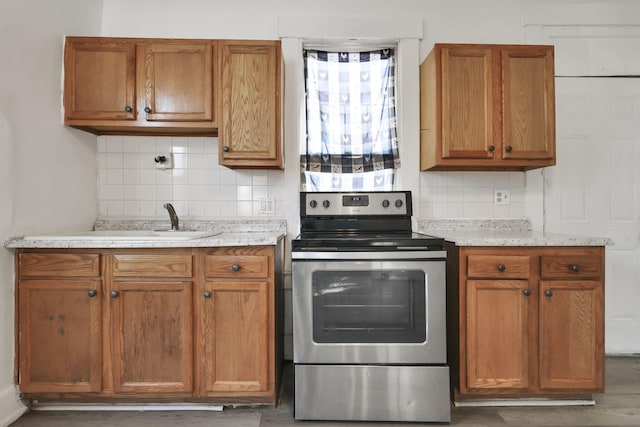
point(523, 402)
point(125, 407)
point(11, 407)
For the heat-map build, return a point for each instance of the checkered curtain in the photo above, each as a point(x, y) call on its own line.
point(351, 140)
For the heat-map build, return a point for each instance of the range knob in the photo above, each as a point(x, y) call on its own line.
point(385, 203)
point(398, 203)
point(326, 204)
point(313, 203)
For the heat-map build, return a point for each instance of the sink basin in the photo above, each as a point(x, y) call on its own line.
point(127, 235)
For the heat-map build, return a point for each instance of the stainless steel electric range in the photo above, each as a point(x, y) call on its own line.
point(368, 311)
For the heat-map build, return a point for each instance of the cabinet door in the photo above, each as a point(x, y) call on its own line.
point(151, 325)
point(60, 336)
point(529, 103)
point(179, 83)
point(468, 110)
point(250, 131)
point(235, 336)
point(498, 324)
point(99, 79)
point(571, 335)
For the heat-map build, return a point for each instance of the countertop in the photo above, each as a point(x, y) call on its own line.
point(234, 232)
point(516, 232)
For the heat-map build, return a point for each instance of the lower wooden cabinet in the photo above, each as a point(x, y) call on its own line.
point(526, 321)
point(236, 322)
point(498, 327)
point(151, 334)
point(152, 324)
point(60, 330)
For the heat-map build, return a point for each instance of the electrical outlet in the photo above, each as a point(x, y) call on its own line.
point(163, 161)
point(501, 197)
point(267, 206)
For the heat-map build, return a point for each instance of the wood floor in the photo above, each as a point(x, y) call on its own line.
point(619, 406)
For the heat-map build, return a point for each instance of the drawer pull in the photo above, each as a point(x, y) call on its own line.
point(575, 268)
point(548, 293)
point(235, 267)
point(92, 293)
point(502, 267)
point(114, 294)
point(527, 292)
point(206, 294)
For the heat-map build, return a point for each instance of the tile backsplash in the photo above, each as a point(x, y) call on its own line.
point(130, 184)
point(470, 194)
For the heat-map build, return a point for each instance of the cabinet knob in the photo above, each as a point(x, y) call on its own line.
point(508, 149)
point(575, 268)
point(225, 149)
point(502, 267)
point(92, 293)
point(235, 267)
point(128, 109)
point(147, 110)
point(206, 294)
point(548, 293)
point(492, 148)
point(527, 292)
point(114, 294)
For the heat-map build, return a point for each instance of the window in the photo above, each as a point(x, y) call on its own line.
point(351, 139)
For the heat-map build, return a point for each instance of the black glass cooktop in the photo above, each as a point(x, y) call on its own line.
point(344, 241)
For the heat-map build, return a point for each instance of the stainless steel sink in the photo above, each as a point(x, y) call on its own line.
point(127, 235)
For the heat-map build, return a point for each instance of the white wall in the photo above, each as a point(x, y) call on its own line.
point(47, 172)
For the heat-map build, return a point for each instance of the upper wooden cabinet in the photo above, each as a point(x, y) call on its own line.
point(251, 83)
point(140, 86)
point(487, 107)
point(99, 80)
point(179, 81)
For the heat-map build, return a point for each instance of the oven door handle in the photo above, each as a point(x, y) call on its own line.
point(369, 255)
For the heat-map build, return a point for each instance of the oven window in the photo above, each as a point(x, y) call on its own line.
point(379, 306)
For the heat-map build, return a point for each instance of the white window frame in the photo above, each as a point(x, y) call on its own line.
point(298, 33)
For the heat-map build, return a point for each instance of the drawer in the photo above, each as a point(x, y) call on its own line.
point(571, 266)
point(152, 265)
point(59, 264)
point(237, 266)
point(499, 266)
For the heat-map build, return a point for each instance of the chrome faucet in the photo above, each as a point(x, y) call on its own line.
point(173, 216)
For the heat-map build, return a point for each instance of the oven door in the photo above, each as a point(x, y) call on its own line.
point(358, 310)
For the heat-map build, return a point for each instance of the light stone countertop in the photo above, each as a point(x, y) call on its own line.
point(234, 232)
point(516, 232)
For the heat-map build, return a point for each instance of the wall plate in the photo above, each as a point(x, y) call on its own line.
point(501, 197)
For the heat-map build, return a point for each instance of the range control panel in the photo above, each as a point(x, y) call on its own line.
point(355, 203)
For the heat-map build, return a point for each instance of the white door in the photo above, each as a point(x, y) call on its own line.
point(595, 189)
